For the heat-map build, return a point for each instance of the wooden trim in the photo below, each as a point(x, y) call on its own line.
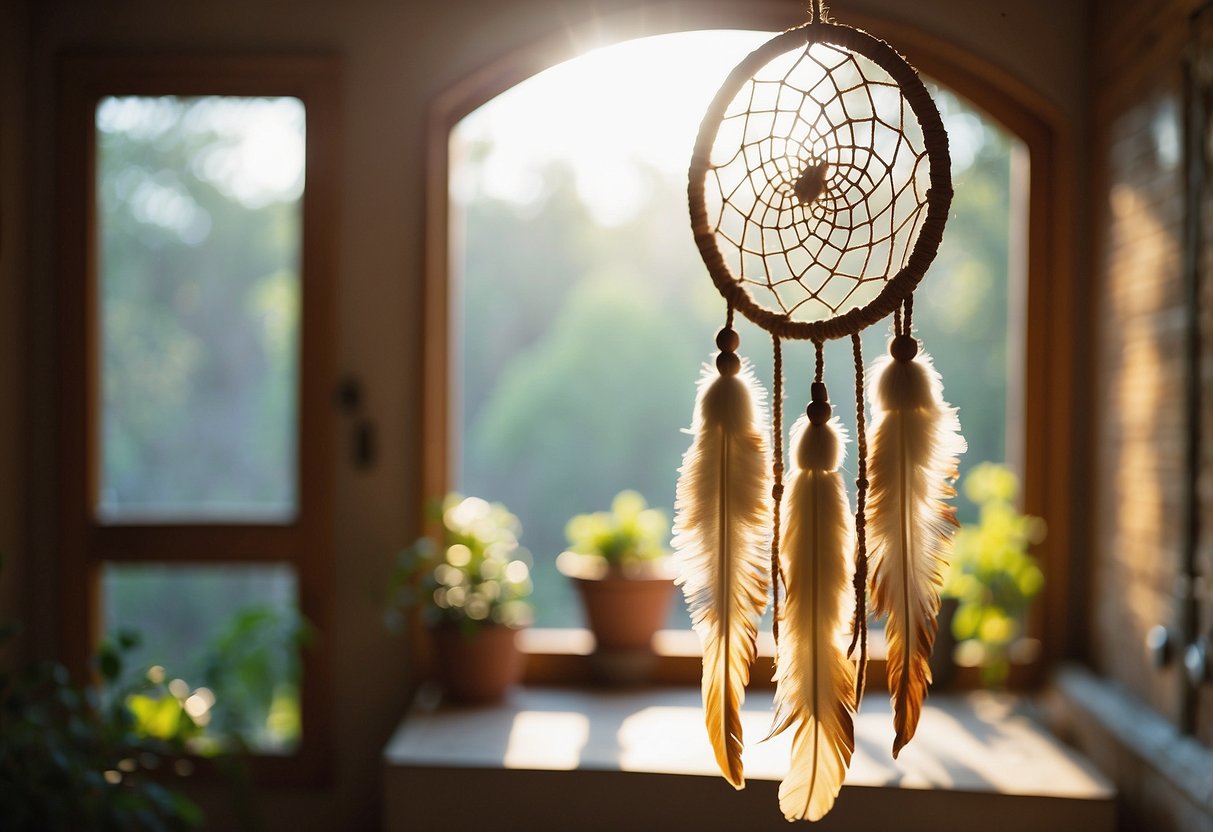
point(308, 541)
point(317, 427)
point(77, 575)
point(563, 657)
point(1049, 345)
point(197, 543)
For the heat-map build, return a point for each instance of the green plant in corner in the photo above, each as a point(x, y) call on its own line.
point(630, 540)
point(72, 758)
point(993, 577)
point(476, 575)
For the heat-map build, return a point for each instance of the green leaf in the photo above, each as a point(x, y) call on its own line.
point(128, 640)
point(109, 663)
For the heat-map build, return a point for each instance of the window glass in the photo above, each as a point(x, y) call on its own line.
point(223, 641)
point(584, 312)
point(198, 286)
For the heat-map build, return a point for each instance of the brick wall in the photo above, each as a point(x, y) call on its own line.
point(1139, 482)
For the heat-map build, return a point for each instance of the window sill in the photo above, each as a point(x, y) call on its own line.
point(562, 657)
point(639, 759)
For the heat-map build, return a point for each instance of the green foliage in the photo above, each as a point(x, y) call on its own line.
point(993, 577)
point(234, 633)
point(628, 535)
point(475, 576)
point(199, 300)
point(252, 667)
point(76, 759)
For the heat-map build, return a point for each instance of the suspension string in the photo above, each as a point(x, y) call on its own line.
point(859, 629)
point(728, 316)
point(817, 12)
point(820, 372)
point(897, 330)
point(909, 304)
point(777, 486)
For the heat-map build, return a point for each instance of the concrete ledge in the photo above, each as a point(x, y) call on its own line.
point(572, 759)
point(1165, 778)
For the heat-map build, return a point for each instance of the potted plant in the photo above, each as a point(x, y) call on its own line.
point(471, 588)
point(75, 758)
point(619, 563)
point(993, 577)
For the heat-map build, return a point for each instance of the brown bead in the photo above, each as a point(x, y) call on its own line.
point(728, 364)
point(904, 348)
point(818, 392)
point(727, 340)
point(818, 412)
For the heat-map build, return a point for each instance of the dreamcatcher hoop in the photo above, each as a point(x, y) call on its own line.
point(938, 198)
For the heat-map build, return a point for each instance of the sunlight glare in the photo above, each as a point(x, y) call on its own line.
point(585, 113)
point(613, 116)
point(547, 740)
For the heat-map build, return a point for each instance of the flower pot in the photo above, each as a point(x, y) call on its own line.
point(478, 665)
point(625, 613)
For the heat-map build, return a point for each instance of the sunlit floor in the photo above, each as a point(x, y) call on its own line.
point(966, 747)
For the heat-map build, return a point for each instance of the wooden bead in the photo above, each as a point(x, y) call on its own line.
point(728, 364)
point(818, 412)
point(727, 340)
point(903, 348)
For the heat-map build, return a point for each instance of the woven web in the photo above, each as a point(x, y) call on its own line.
point(817, 182)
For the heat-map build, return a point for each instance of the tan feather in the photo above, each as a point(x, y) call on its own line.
point(721, 532)
point(912, 461)
point(815, 684)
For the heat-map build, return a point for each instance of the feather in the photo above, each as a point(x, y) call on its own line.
point(912, 462)
point(815, 684)
point(721, 531)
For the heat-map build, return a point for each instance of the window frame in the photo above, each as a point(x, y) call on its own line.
point(1046, 345)
point(305, 542)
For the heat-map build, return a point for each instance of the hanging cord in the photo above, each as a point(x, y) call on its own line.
point(817, 11)
point(859, 628)
point(897, 330)
point(820, 370)
point(777, 487)
point(909, 305)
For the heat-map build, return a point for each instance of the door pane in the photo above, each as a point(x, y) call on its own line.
point(198, 232)
point(223, 640)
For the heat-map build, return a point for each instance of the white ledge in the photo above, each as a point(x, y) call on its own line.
point(975, 757)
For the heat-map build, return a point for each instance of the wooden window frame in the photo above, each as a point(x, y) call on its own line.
point(1047, 347)
point(305, 542)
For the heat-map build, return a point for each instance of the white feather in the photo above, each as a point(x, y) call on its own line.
point(721, 534)
point(815, 684)
point(912, 462)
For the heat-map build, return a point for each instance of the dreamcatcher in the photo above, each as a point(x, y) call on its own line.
point(819, 188)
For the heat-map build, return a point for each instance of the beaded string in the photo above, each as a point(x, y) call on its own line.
point(777, 486)
point(859, 628)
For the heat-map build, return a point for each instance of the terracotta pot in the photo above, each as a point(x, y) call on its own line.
point(624, 613)
point(477, 667)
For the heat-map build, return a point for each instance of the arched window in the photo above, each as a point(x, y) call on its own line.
point(577, 311)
